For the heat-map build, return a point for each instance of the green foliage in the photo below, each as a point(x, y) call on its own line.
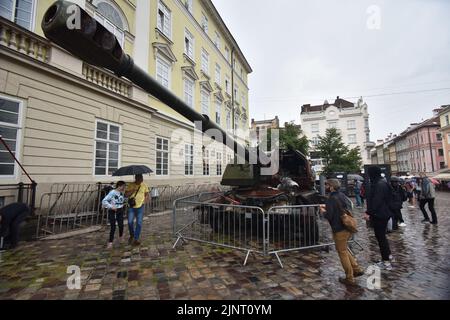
point(336, 155)
point(290, 138)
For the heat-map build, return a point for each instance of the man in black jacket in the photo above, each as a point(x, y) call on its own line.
point(332, 212)
point(379, 201)
point(11, 216)
point(399, 196)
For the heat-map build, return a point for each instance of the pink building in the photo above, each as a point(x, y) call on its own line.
point(425, 148)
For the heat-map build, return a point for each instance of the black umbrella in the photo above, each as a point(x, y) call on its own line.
point(351, 177)
point(132, 171)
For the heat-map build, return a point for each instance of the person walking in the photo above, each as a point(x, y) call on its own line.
point(427, 197)
point(379, 212)
point(399, 196)
point(332, 211)
point(11, 217)
point(357, 191)
point(410, 192)
point(418, 188)
point(114, 203)
point(363, 194)
point(138, 194)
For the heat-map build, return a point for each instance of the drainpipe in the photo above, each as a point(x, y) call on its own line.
point(232, 94)
point(431, 149)
point(233, 111)
point(418, 146)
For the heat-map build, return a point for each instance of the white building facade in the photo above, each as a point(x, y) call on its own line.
point(351, 120)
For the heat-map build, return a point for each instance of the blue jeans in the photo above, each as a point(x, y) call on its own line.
point(139, 214)
point(358, 199)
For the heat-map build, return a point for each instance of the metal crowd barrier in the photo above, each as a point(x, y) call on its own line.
point(296, 228)
point(70, 208)
point(166, 195)
point(73, 206)
point(230, 226)
point(279, 230)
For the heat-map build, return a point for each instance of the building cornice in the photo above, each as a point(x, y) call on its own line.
point(206, 37)
point(215, 14)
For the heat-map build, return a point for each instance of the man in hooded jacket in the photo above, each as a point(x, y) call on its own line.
point(379, 198)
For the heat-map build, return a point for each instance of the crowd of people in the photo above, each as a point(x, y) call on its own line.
point(385, 201)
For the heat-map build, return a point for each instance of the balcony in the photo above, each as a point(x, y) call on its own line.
point(29, 44)
point(107, 80)
point(23, 41)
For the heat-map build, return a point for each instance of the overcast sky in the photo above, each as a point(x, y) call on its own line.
point(306, 51)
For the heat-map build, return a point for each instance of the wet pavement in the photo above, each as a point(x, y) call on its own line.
point(38, 270)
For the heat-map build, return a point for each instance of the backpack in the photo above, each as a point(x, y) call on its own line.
point(430, 192)
point(347, 219)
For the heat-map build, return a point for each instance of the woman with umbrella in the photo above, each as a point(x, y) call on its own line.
point(137, 194)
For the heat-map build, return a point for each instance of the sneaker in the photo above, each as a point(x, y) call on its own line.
point(384, 265)
point(392, 258)
point(426, 221)
point(136, 243)
point(130, 240)
point(402, 225)
point(348, 282)
point(110, 245)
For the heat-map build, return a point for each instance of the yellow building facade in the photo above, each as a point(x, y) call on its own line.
point(76, 123)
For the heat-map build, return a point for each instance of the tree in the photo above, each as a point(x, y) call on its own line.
point(290, 138)
point(336, 155)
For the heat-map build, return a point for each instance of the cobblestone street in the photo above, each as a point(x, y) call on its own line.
point(37, 270)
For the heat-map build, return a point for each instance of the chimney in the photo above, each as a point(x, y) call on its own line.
point(436, 112)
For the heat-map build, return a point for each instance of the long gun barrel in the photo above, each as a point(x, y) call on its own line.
point(72, 28)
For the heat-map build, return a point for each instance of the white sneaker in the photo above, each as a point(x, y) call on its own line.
point(402, 225)
point(384, 265)
point(387, 266)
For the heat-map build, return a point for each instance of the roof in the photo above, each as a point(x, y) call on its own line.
point(432, 122)
point(445, 109)
point(339, 103)
point(270, 121)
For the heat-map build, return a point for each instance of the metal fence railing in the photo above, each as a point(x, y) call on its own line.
point(279, 230)
point(21, 192)
point(68, 207)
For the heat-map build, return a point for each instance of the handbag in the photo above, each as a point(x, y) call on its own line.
point(132, 200)
point(347, 218)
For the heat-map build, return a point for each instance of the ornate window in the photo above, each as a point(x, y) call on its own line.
point(112, 19)
point(164, 19)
